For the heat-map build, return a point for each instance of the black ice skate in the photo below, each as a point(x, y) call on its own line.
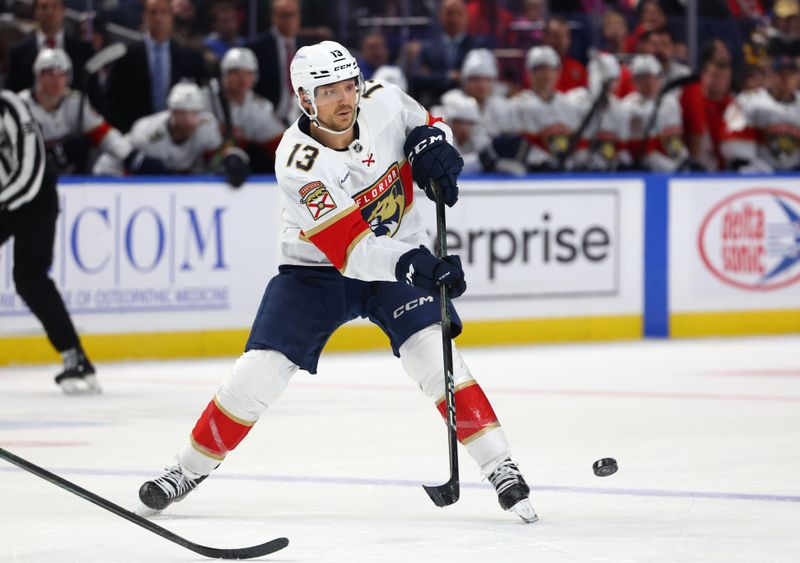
point(78, 377)
point(172, 486)
point(512, 490)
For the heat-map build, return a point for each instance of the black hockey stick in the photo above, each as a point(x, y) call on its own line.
point(576, 136)
point(241, 553)
point(679, 82)
point(448, 493)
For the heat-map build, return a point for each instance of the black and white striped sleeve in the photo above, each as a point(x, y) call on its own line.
point(22, 153)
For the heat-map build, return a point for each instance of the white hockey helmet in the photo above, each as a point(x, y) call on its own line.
point(318, 65)
point(479, 62)
point(602, 67)
point(645, 64)
point(57, 59)
point(457, 105)
point(391, 74)
point(239, 58)
point(185, 96)
point(543, 55)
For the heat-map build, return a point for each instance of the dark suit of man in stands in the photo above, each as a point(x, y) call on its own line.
point(139, 82)
point(49, 16)
point(440, 59)
point(274, 51)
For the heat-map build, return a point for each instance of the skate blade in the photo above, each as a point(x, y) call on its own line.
point(524, 510)
point(145, 511)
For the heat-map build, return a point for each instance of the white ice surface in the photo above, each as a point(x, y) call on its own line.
point(707, 435)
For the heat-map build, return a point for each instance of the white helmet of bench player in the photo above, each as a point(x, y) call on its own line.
point(239, 58)
point(57, 59)
point(318, 65)
point(185, 96)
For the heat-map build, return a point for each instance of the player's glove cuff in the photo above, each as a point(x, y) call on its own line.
point(433, 158)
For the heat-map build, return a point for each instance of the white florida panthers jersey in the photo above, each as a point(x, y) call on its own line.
point(353, 208)
point(762, 132)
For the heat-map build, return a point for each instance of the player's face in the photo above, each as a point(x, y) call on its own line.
point(786, 81)
point(183, 124)
point(52, 83)
point(462, 130)
point(647, 84)
point(238, 82)
point(336, 104)
point(544, 79)
point(479, 87)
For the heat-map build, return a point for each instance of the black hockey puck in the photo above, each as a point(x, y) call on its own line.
point(605, 467)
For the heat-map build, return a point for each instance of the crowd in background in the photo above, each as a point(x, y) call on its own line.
point(526, 85)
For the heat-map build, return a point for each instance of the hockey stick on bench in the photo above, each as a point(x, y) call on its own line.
point(215, 553)
point(447, 493)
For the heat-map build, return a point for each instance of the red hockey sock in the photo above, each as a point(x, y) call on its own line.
point(217, 431)
point(474, 413)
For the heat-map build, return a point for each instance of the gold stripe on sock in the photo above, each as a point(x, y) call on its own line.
point(480, 433)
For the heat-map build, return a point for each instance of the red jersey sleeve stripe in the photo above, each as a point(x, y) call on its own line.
point(337, 238)
point(748, 134)
point(433, 119)
point(97, 134)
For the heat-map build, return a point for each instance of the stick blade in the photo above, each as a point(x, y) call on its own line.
point(104, 57)
point(443, 495)
point(241, 553)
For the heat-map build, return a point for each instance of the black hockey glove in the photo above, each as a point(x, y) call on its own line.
point(433, 158)
point(138, 163)
point(236, 166)
point(425, 271)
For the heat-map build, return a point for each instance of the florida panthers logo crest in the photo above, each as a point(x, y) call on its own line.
point(384, 203)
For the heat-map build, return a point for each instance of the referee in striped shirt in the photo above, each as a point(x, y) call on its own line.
point(28, 212)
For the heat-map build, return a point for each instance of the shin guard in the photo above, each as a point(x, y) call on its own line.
point(217, 431)
point(474, 414)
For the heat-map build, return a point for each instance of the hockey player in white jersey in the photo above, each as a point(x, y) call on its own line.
point(248, 119)
point(67, 128)
point(479, 75)
point(184, 137)
point(603, 145)
point(761, 130)
point(656, 143)
point(351, 245)
point(547, 116)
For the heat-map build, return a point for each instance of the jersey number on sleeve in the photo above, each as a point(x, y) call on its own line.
point(307, 160)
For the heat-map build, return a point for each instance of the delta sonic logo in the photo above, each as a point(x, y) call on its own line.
point(318, 199)
point(384, 203)
point(751, 240)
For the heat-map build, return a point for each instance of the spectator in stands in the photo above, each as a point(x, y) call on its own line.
point(651, 17)
point(660, 43)
point(49, 15)
point(139, 82)
point(603, 144)
point(246, 118)
point(274, 51)
point(615, 32)
point(716, 79)
point(557, 35)
point(69, 129)
point(656, 133)
point(187, 28)
point(489, 20)
point(184, 137)
point(224, 28)
point(752, 77)
point(762, 127)
point(374, 53)
point(439, 63)
point(528, 28)
point(548, 119)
